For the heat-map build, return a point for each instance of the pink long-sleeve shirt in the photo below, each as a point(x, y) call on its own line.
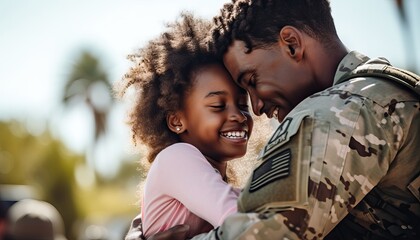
point(183, 188)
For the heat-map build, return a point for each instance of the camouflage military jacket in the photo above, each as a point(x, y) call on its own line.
point(356, 139)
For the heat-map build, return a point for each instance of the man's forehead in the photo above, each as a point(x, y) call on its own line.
point(239, 47)
point(234, 59)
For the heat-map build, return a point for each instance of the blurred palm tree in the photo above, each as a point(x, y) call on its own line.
point(407, 35)
point(88, 84)
point(88, 81)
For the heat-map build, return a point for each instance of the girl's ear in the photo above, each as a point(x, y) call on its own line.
point(174, 122)
point(291, 38)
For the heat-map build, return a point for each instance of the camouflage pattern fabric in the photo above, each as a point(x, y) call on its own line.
point(365, 136)
point(357, 145)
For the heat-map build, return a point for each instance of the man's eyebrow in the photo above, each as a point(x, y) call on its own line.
point(215, 93)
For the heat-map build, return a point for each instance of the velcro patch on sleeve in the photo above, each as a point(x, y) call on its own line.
point(274, 168)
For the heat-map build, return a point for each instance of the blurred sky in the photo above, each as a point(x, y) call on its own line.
point(40, 38)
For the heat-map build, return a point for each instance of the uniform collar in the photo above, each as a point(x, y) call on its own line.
point(352, 60)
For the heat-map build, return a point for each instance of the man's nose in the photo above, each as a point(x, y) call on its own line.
point(257, 105)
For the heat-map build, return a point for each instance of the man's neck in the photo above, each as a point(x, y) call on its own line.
point(326, 63)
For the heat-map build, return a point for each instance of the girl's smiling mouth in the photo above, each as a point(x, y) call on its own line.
point(240, 134)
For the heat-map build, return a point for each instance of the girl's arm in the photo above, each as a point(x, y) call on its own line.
point(187, 176)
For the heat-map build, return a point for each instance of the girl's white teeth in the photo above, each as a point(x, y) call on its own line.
point(234, 134)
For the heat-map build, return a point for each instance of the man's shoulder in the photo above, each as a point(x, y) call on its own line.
point(376, 79)
point(378, 89)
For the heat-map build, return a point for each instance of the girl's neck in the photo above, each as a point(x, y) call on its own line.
point(220, 166)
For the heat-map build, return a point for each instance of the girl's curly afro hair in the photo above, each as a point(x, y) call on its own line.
point(162, 75)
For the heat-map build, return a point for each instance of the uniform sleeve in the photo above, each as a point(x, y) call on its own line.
point(188, 177)
point(250, 226)
point(352, 147)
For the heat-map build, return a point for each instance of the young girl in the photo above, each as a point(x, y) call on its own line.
point(194, 119)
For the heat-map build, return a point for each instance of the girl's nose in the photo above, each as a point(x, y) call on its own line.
point(238, 115)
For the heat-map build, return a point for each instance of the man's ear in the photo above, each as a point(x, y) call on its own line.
point(175, 122)
point(291, 39)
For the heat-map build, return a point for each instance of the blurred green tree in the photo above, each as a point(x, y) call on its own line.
point(42, 163)
point(45, 166)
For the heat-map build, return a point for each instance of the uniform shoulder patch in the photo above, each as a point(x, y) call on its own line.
point(288, 127)
point(280, 134)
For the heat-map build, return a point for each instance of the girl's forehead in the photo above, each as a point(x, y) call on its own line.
point(213, 78)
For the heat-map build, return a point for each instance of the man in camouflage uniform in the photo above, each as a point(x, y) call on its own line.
point(344, 162)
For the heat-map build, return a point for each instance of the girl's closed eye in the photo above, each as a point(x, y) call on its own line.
point(217, 106)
